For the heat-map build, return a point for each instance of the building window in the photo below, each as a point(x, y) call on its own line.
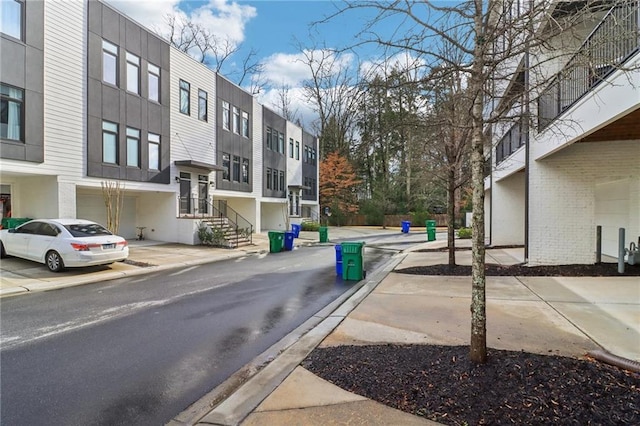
point(297, 150)
point(226, 115)
point(281, 143)
point(281, 180)
point(291, 147)
point(269, 138)
point(109, 63)
point(109, 142)
point(236, 168)
point(275, 180)
point(313, 156)
point(236, 120)
point(226, 163)
point(133, 73)
point(133, 147)
point(185, 93)
point(268, 178)
point(202, 105)
point(245, 170)
point(245, 124)
point(11, 18)
point(11, 114)
point(154, 151)
point(153, 74)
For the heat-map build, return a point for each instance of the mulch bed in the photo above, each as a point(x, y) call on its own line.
point(596, 270)
point(441, 384)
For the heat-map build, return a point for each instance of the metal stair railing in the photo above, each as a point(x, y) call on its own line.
point(217, 210)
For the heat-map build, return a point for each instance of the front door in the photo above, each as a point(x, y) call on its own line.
point(203, 194)
point(185, 193)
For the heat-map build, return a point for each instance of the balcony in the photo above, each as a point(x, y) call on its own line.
point(515, 137)
point(608, 47)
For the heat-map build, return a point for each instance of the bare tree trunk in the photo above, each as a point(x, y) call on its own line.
point(451, 237)
point(478, 347)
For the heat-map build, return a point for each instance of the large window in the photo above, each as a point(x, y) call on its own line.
point(236, 168)
point(11, 114)
point(133, 147)
point(245, 170)
point(275, 180)
point(153, 74)
point(291, 147)
point(154, 151)
point(11, 18)
point(226, 115)
point(202, 105)
point(109, 142)
point(297, 150)
point(281, 143)
point(269, 138)
point(185, 93)
point(109, 63)
point(281, 180)
point(245, 124)
point(133, 73)
point(226, 163)
point(236, 120)
point(268, 178)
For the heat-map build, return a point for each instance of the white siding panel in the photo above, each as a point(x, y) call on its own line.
point(65, 88)
point(191, 138)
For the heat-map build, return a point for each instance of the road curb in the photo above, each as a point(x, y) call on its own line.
point(268, 370)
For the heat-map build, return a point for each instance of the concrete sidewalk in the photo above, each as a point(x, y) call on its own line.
point(560, 316)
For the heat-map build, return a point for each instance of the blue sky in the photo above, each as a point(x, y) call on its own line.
point(268, 26)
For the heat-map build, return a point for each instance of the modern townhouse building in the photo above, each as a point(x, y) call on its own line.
point(576, 164)
point(90, 97)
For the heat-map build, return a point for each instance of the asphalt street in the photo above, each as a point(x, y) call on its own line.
point(139, 350)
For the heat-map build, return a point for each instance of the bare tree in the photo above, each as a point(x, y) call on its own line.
point(284, 104)
point(212, 50)
point(334, 93)
point(496, 41)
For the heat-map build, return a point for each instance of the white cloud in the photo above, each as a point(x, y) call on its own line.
point(286, 69)
point(223, 18)
point(149, 13)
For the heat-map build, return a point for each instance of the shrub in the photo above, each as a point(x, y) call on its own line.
point(309, 226)
point(464, 233)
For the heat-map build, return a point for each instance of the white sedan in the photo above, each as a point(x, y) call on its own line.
point(61, 243)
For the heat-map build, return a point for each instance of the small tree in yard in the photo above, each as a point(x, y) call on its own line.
point(497, 41)
point(113, 195)
point(338, 183)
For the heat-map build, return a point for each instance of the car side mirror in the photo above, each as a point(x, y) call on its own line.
point(12, 230)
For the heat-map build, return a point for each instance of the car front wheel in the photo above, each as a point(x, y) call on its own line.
point(54, 261)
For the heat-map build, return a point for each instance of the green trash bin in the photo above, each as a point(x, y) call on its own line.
point(324, 234)
point(431, 230)
point(13, 222)
point(276, 241)
point(353, 261)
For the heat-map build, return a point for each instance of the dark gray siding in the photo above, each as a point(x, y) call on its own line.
point(115, 104)
point(22, 65)
point(230, 142)
point(309, 166)
point(272, 159)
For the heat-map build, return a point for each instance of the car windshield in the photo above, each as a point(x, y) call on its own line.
point(87, 229)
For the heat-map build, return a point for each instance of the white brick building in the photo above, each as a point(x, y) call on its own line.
point(582, 168)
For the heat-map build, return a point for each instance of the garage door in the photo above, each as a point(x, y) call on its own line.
point(91, 207)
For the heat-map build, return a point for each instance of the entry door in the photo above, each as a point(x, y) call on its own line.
point(203, 194)
point(185, 193)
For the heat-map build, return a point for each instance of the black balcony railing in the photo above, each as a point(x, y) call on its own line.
point(515, 137)
point(610, 44)
point(217, 209)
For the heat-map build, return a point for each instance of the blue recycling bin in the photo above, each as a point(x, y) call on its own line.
point(339, 260)
point(406, 225)
point(288, 241)
point(295, 228)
